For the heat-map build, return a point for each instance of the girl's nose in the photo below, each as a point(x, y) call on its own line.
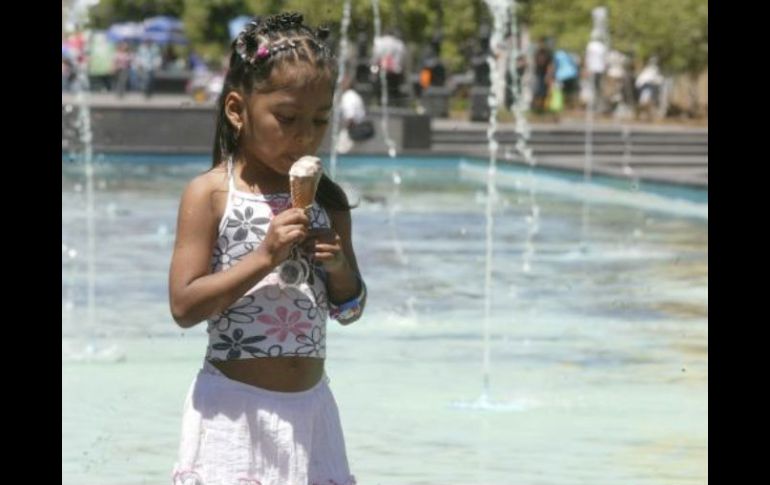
point(306, 132)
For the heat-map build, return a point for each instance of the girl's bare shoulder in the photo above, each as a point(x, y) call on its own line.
point(208, 188)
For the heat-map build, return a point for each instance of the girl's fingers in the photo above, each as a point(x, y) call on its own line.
point(294, 216)
point(295, 233)
point(295, 227)
point(324, 256)
point(328, 248)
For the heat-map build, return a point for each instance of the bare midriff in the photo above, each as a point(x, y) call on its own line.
point(282, 374)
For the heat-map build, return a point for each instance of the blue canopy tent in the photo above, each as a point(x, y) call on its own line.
point(164, 30)
point(236, 25)
point(125, 32)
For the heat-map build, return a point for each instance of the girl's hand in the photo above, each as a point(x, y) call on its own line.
point(286, 229)
point(326, 247)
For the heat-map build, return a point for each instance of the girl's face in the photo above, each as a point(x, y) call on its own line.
point(289, 121)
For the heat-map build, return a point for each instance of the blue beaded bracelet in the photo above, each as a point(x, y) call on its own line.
point(351, 308)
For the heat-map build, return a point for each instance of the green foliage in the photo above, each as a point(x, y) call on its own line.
point(108, 12)
point(675, 31)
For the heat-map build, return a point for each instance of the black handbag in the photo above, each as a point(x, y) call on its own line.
point(361, 131)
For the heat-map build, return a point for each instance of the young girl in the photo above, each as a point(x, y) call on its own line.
point(261, 411)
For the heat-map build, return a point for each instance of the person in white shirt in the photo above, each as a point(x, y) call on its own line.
point(352, 107)
point(354, 125)
point(596, 64)
point(616, 73)
point(648, 85)
point(389, 54)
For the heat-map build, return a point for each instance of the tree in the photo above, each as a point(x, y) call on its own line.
point(677, 32)
point(206, 25)
point(108, 12)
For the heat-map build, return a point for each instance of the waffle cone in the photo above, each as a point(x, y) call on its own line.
point(303, 191)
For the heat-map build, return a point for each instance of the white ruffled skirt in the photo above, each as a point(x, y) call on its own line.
point(237, 434)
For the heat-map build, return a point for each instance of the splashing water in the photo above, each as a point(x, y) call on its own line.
point(383, 84)
point(77, 18)
point(523, 133)
point(342, 55)
point(501, 10)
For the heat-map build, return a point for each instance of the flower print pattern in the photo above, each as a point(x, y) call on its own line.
point(247, 223)
point(226, 255)
point(315, 306)
point(234, 345)
point(318, 217)
point(284, 323)
point(272, 351)
point(268, 321)
point(312, 345)
point(246, 248)
point(221, 257)
point(242, 311)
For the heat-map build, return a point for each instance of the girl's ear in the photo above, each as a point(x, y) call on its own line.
point(235, 109)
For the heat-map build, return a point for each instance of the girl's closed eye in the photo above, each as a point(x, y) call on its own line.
point(321, 122)
point(285, 119)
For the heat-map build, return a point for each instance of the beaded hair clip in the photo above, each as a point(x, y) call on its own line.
point(253, 53)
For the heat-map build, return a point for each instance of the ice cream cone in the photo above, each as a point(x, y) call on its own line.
point(304, 177)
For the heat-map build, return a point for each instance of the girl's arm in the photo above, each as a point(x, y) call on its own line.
point(194, 292)
point(344, 279)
